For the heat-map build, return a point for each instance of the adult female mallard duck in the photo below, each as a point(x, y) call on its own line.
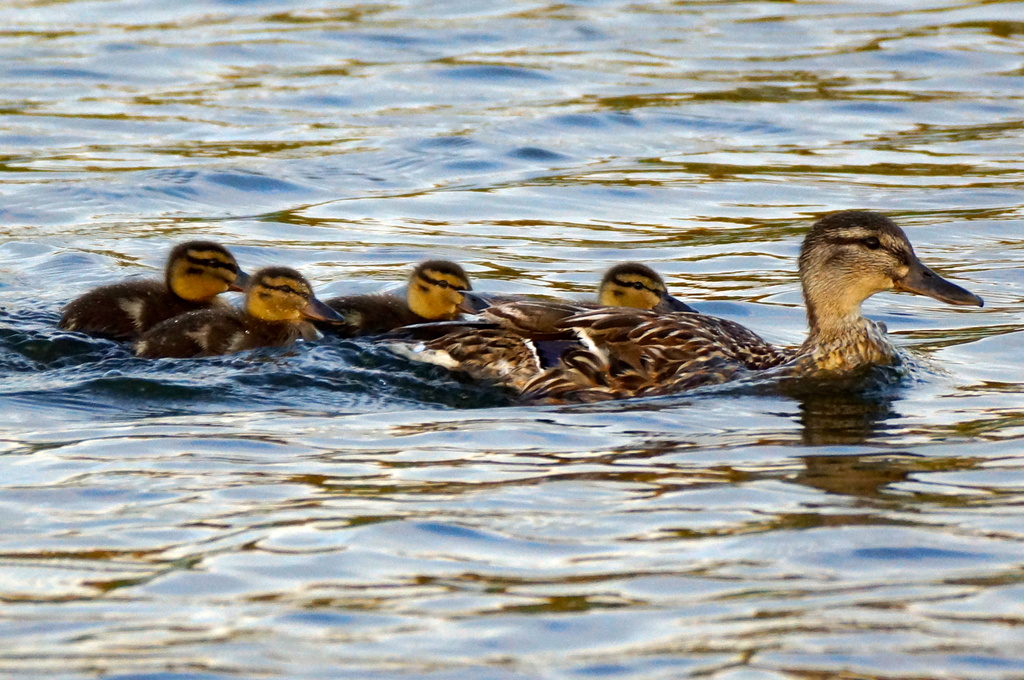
point(846, 258)
point(278, 300)
point(196, 273)
point(436, 292)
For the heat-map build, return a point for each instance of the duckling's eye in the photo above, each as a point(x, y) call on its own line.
point(872, 243)
point(637, 285)
point(443, 284)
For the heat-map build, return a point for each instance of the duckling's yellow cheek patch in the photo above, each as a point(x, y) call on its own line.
point(612, 297)
point(434, 302)
point(198, 287)
point(260, 305)
point(199, 282)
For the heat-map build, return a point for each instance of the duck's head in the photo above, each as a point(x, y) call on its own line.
point(631, 284)
point(198, 271)
point(849, 256)
point(437, 290)
point(282, 295)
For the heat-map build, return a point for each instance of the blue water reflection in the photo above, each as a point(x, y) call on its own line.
point(331, 511)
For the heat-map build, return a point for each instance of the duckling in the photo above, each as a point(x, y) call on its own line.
point(631, 284)
point(196, 273)
point(436, 292)
point(846, 258)
point(278, 300)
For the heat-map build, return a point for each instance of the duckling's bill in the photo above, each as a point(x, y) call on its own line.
point(670, 303)
point(472, 303)
point(923, 281)
point(318, 311)
point(241, 281)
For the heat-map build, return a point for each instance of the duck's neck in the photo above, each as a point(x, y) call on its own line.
point(841, 339)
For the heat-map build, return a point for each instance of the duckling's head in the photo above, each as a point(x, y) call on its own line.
point(436, 290)
point(282, 295)
point(631, 284)
point(198, 271)
point(849, 256)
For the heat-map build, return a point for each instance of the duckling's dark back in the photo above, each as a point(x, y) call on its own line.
point(195, 272)
point(370, 314)
point(210, 332)
point(123, 311)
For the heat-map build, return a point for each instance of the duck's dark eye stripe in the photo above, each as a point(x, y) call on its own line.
point(857, 241)
point(213, 264)
point(637, 285)
point(284, 288)
point(440, 283)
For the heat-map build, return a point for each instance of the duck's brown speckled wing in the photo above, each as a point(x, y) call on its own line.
point(533, 318)
point(124, 311)
point(510, 343)
point(487, 354)
point(583, 376)
point(369, 315)
point(660, 338)
point(629, 353)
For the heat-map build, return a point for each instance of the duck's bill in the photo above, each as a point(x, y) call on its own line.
point(241, 282)
point(318, 311)
point(473, 303)
point(669, 303)
point(923, 281)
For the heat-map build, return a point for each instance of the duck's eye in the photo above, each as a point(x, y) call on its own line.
point(443, 284)
point(872, 243)
point(638, 285)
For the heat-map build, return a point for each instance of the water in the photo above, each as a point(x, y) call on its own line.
point(330, 511)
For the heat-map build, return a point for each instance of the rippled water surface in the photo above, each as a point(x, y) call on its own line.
point(330, 511)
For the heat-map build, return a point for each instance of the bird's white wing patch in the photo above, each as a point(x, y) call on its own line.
point(133, 307)
point(419, 352)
